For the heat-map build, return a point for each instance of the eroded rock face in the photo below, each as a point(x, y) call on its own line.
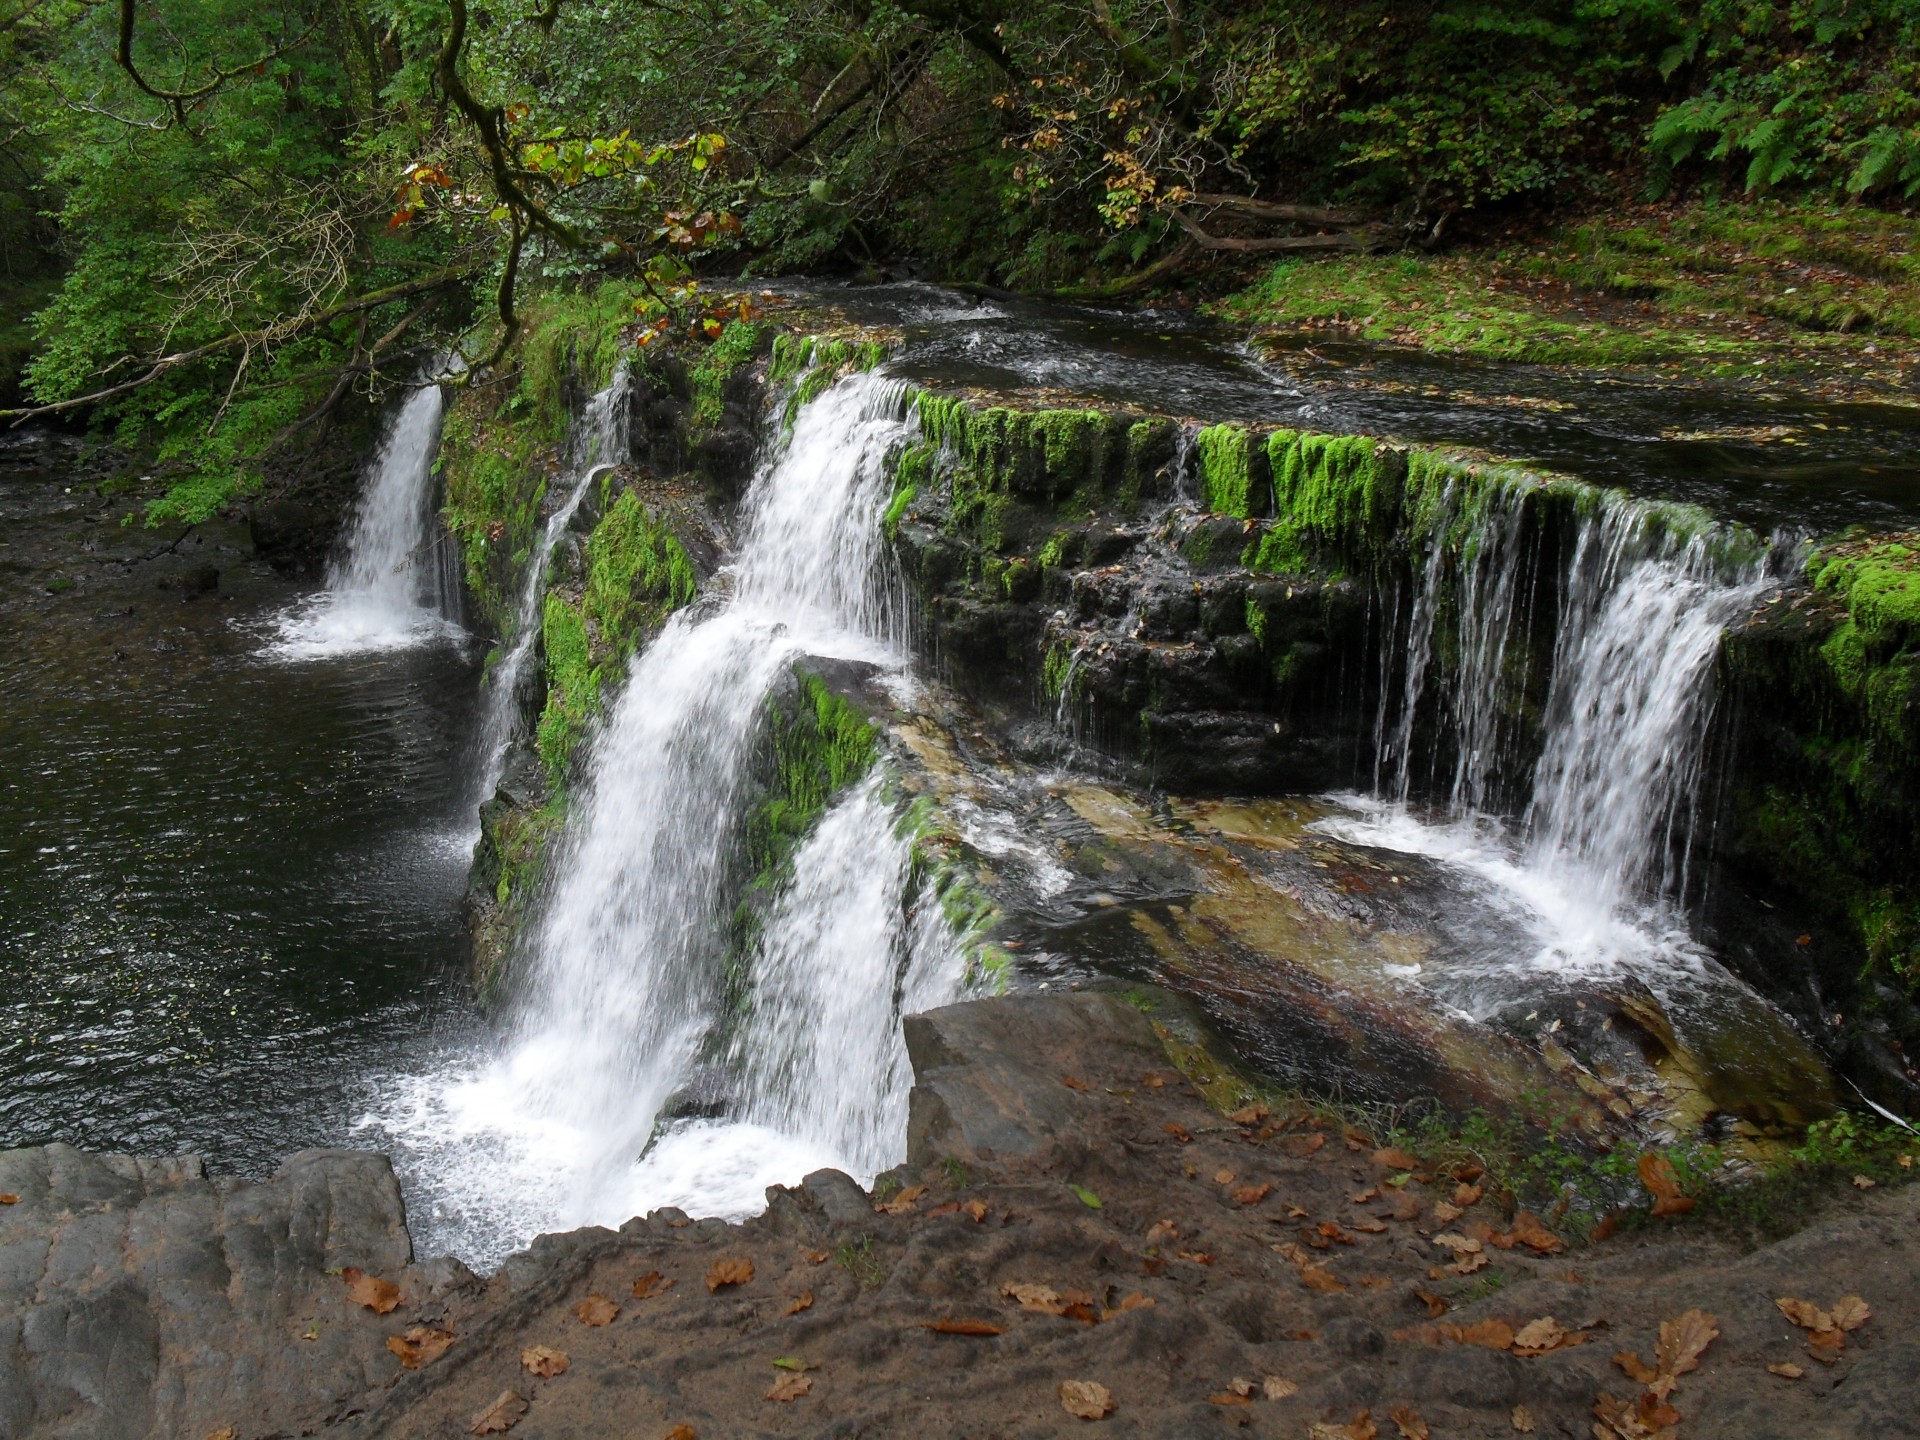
point(141, 1298)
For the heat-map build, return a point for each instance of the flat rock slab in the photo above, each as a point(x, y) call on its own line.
point(140, 1298)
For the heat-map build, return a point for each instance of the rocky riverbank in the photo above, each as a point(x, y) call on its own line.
point(1078, 1237)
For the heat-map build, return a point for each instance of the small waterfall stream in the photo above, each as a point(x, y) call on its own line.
point(396, 581)
point(620, 999)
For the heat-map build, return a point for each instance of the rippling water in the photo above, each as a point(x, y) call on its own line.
point(227, 885)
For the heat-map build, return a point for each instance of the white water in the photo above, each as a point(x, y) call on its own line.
point(1596, 866)
point(598, 443)
point(623, 990)
point(395, 582)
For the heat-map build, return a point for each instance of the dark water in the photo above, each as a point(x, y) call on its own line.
point(227, 885)
point(1765, 460)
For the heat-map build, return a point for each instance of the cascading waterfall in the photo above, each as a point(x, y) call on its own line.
point(598, 442)
point(395, 582)
point(621, 993)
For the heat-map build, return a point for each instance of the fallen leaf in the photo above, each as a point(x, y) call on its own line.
point(1467, 1264)
point(1301, 1146)
point(814, 1257)
point(1491, 1334)
point(1530, 1232)
point(802, 1301)
point(1073, 1083)
point(1087, 1197)
point(1179, 1132)
point(1329, 1233)
point(1228, 1397)
point(900, 1204)
point(977, 1209)
point(1408, 1422)
point(953, 1325)
point(9, 1199)
point(1436, 1305)
point(1636, 1369)
point(379, 1296)
point(1459, 1244)
point(1850, 1312)
point(1250, 1114)
point(1251, 1194)
point(1523, 1419)
point(1361, 1427)
point(1134, 1300)
point(1395, 1159)
point(1466, 1196)
point(790, 1387)
point(1274, 1388)
point(1162, 1231)
point(1826, 1345)
point(1086, 1399)
point(735, 1271)
point(1195, 1257)
point(650, 1285)
point(1682, 1342)
point(1805, 1314)
point(1656, 1173)
point(1864, 1182)
point(1154, 1082)
point(1314, 1278)
point(1240, 1386)
point(683, 1432)
point(596, 1310)
point(502, 1415)
point(1370, 1193)
point(225, 1432)
point(1295, 1212)
point(1040, 1298)
point(1223, 1176)
point(544, 1361)
point(1446, 1214)
point(1786, 1370)
point(1369, 1226)
point(1539, 1337)
point(790, 1362)
point(420, 1345)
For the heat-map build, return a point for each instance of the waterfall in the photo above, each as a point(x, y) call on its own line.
point(598, 442)
point(395, 582)
point(621, 992)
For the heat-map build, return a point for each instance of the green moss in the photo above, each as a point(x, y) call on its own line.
point(735, 348)
point(1056, 670)
point(819, 748)
point(572, 337)
point(1336, 501)
point(1226, 470)
point(1874, 654)
point(573, 687)
point(638, 573)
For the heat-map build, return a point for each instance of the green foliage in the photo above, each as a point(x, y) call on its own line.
point(573, 685)
point(818, 750)
point(737, 345)
point(638, 573)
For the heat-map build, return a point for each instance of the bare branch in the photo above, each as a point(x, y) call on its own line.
point(177, 99)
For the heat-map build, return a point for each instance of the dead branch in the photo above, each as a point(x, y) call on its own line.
point(1372, 238)
point(1274, 210)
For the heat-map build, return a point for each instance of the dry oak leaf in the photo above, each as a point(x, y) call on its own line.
point(1073, 1082)
point(1301, 1146)
point(379, 1296)
point(736, 1271)
point(813, 1257)
point(1656, 1173)
point(502, 1415)
point(1275, 1388)
point(1179, 1132)
point(225, 1432)
point(1229, 1397)
point(420, 1345)
point(1251, 1194)
point(1493, 1334)
point(651, 1284)
point(1370, 1193)
point(1039, 1298)
point(544, 1361)
point(1240, 1386)
point(1314, 1278)
point(1786, 1370)
point(1523, 1419)
point(1436, 1305)
point(1361, 1427)
point(1370, 1226)
point(955, 1325)
point(1850, 1312)
point(1826, 1345)
point(9, 1199)
point(977, 1209)
point(802, 1301)
point(683, 1432)
point(1408, 1422)
point(1223, 1176)
point(790, 1387)
point(1530, 1232)
point(1466, 1196)
point(1682, 1342)
point(1195, 1257)
point(1162, 1231)
point(1446, 1214)
point(1395, 1159)
point(596, 1310)
point(902, 1203)
point(1805, 1314)
point(1864, 1182)
point(1540, 1337)
point(1250, 1114)
point(1086, 1399)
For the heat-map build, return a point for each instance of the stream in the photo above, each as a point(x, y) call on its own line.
point(236, 826)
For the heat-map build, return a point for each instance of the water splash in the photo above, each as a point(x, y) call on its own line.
point(622, 989)
point(599, 441)
point(396, 582)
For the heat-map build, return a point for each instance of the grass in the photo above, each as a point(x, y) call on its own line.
point(1756, 291)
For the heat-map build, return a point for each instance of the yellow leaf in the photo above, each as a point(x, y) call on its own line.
point(1086, 1399)
point(544, 1361)
point(502, 1415)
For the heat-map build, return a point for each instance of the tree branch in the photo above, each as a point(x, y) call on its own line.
point(177, 99)
point(1375, 237)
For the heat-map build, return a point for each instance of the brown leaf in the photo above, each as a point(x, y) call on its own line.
point(1228, 1397)
point(1314, 1278)
point(1162, 1231)
point(1850, 1312)
point(1805, 1314)
point(735, 1271)
point(1330, 1233)
point(1301, 1146)
point(9, 1199)
point(1466, 1196)
point(977, 1209)
point(379, 1296)
point(502, 1415)
point(1369, 1226)
point(901, 1204)
point(1682, 1342)
point(1408, 1422)
point(1492, 1334)
point(954, 1325)
point(1179, 1132)
point(1446, 1214)
point(813, 1257)
point(651, 1284)
point(1523, 1419)
point(1395, 1159)
point(1538, 1337)
point(1361, 1427)
point(1195, 1257)
point(1786, 1370)
point(1469, 1263)
point(1656, 1173)
point(1864, 1182)
point(1072, 1083)
point(1152, 1081)
point(544, 1361)
point(1274, 1388)
point(1636, 1369)
point(1251, 1194)
point(1223, 1176)
point(1530, 1232)
point(1250, 1114)
point(1436, 1305)
point(1086, 1399)
point(225, 1432)
point(1826, 1345)
point(420, 1345)
point(790, 1387)
point(1039, 1298)
point(802, 1301)
point(596, 1310)
point(1240, 1386)
point(683, 1432)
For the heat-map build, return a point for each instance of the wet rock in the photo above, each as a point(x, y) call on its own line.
point(838, 1197)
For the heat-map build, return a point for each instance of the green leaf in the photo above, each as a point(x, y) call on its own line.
point(790, 1362)
point(1087, 1197)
